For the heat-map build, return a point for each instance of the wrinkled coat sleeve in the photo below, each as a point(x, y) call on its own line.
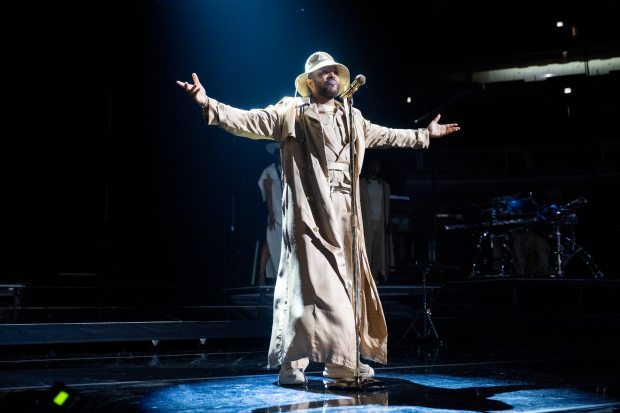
point(380, 136)
point(254, 124)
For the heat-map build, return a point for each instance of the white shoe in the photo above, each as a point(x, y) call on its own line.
point(291, 376)
point(335, 371)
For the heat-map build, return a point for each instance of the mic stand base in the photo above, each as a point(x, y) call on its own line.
point(428, 327)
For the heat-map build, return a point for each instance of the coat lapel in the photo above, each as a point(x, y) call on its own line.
point(315, 135)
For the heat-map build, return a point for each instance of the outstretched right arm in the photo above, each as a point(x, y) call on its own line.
point(195, 90)
point(254, 124)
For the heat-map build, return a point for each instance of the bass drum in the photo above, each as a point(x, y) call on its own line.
point(531, 253)
point(493, 255)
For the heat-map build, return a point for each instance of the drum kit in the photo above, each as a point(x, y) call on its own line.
point(517, 236)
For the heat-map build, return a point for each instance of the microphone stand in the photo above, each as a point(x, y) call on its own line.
point(358, 383)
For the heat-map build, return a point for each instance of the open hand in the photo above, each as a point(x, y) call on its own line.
point(437, 130)
point(197, 92)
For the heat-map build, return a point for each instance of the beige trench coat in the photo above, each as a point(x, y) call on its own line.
point(384, 238)
point(313, 316)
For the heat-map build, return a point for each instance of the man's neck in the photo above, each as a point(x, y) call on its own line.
point(325, 100)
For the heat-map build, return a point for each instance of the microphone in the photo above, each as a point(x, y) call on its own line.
point(353, 86)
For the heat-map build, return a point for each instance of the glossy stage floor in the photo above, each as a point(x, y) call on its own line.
point(502, 345)
point(232, 377)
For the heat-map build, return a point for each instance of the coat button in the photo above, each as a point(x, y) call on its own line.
point(315, 229)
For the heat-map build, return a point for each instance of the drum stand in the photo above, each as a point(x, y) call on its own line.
point(566, 248)
point(425, 313)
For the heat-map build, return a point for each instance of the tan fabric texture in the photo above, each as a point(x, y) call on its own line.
point(378, 240)
point(313, 316)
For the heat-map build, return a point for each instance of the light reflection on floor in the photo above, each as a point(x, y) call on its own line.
point(403, 393)
point(416, 380)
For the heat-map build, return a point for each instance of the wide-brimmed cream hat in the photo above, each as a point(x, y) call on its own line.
point(316, 61)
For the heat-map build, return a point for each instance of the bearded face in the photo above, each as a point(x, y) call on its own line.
point(324, 82)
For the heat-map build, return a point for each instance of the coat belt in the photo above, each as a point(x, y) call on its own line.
point(338, 166)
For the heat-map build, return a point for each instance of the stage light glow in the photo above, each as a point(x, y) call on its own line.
point(61, 398)
point(596, 67)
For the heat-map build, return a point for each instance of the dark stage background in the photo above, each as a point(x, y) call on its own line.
point(112, 179)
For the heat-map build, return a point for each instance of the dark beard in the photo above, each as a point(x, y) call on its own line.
point(327, 92)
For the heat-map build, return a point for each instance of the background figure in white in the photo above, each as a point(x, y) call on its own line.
point(270, 185)
point(375, 204)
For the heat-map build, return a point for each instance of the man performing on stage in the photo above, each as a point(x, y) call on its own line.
point(313, 315)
